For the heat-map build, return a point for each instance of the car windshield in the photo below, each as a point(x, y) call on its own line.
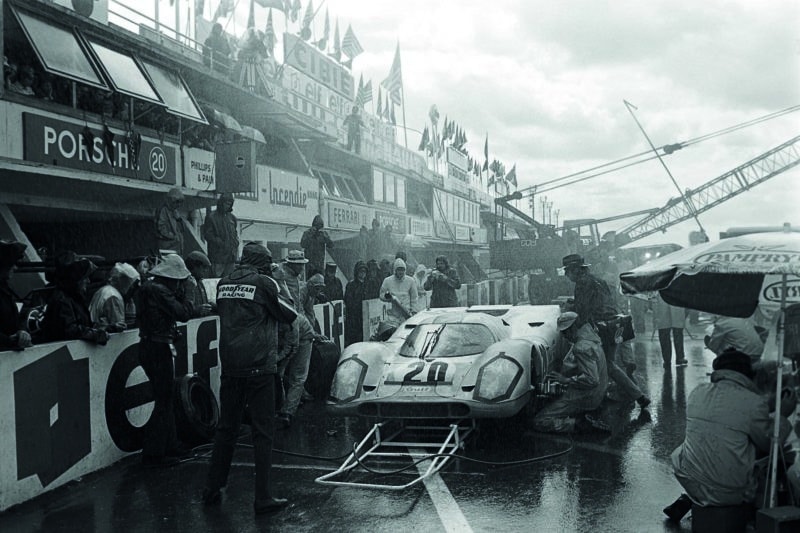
point(447, 340)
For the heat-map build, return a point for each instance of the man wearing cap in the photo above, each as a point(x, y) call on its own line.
point(401, 290)
point(250, 310)
point(169, 222)
point(727, 424)
point(289, 274)
point(333, 285)
point(585, 377)
point(315, 242)
point(160, 303)
point(219, 231)
point(593, 303)
point(107, 307)
point(200, 267)
point(12, 336)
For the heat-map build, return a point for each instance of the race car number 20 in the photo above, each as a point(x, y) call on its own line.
point(421, 372)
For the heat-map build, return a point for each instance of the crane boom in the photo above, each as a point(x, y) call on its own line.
point(720, 189)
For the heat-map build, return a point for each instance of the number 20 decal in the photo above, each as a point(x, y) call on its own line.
point(436, 372)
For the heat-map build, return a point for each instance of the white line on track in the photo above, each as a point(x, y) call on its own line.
point(453, 520)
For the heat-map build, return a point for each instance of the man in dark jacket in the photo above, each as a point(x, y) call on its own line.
point(249, 309)
point(219, 231)
point(12, 336)
point(314, 242)
point(443, 281)
point(161, 302)
point(169, 222)
point(67, 315)
point(354, 295)
point(333, 285)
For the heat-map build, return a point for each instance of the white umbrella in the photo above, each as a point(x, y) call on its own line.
point(730, 277)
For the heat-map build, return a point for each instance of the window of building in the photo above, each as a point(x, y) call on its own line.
point(401, 192)
point(377, 185)
point(125, 73)
point(388, 188)
point(175, 93)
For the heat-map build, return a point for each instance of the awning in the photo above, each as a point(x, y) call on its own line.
point(222, 119)
point(252, 133)
point(124, 72)
point(59, 50)
point(175, 93)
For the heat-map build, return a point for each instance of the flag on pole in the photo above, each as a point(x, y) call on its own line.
point(423, 143)
point(511, 177)
point(360, 92)
point(391, 117)
point(367, 94)
point(287, 7)
point(379, 109)
point(224, 9)
point(323, 43)
point(350, 45)
point(387, 113)
point(394, 82)
point(486, 153)
point(269, 35)
point(251, 16)
point(295, 14)
point(277, 4)
point(337, 47)
point(199, 7)
point(305, 30)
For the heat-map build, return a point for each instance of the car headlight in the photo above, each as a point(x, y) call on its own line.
point(349, 378)
point(497, 379)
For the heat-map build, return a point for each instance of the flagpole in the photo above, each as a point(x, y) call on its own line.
point(403, 93)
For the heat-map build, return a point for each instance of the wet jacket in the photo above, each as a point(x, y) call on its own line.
point(404, 291)
point(593, 299)
point(444, 289)
point(249, 312)
point(9, 316)
point(107, 308)
point(314, 242)
point(158, 310)
point(292, 283)
point(354, 296)
point(585, 366)
point(333, 288)
point(291, 336)
point(727, 424)
point(65, 318)
point(169, 230)
point(219, 231)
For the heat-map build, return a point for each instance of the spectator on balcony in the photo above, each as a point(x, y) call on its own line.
point(107, 308)
point(354, 124)
point(67, 316)
point(220, 232)
point(9, 72)
point(250, 65)
point(12, 336)
point(24, 83)
point(315, 243)
point(216, 49)
point(169, 223)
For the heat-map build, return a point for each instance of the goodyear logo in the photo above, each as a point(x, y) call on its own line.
point(243, 292)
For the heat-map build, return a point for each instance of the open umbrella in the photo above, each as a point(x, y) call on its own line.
point(730, 277)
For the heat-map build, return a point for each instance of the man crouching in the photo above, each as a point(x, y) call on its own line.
point(249, 312)
point(585, 377)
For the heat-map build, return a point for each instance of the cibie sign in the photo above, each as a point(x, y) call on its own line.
point(64, 144)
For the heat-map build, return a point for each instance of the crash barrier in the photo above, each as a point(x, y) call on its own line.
point(71, 408)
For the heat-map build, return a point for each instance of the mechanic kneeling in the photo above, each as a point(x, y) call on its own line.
point(585, 376)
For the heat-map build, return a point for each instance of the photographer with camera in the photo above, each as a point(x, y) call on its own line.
point(443, 281)
point(585, 377)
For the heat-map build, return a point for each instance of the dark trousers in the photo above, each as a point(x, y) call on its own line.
point(257, 394)
point(731, 519)
point(666, 346)
point(159, 432)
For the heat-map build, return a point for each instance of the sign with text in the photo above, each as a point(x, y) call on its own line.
point(312, 98)
point(421, 227)
point(344, 215)
point(317, 65)
point(283, 197)
point(64, 144)
point(395, 220)
point(198, 169)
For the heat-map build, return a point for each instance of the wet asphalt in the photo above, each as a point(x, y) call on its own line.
point(510, 479)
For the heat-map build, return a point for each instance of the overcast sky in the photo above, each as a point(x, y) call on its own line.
point(547, 80)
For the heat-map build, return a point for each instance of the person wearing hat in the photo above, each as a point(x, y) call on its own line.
point(333, 285)
point(67, 316)
point(12, 336)
point(169, 222)
point(200, 267)
point(727, 425)
point(220, 232)
point(312, 293)
point(250, 310)
point(161, 302)
point(289, 273)
point(315, 242)
point(443, 282)
point(401, 290)
point(593, 302)
point(585, 377)
point(107, 307)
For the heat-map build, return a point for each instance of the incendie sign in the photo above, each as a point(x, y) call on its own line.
point(64, 144)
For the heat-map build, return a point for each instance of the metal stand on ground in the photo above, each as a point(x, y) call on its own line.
point(397, 445)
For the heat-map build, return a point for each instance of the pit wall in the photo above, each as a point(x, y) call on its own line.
point(71, 408)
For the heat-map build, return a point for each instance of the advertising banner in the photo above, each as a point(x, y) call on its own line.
point(198, 169)
point(59, 143)
point(283, 197)
point(395, 220)
point(317, 65)
point(344, 215)
point(421, 227)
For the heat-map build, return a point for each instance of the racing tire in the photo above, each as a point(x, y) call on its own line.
point(196, 410)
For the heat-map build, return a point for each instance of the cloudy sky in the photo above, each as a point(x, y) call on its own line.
point(547, 80)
